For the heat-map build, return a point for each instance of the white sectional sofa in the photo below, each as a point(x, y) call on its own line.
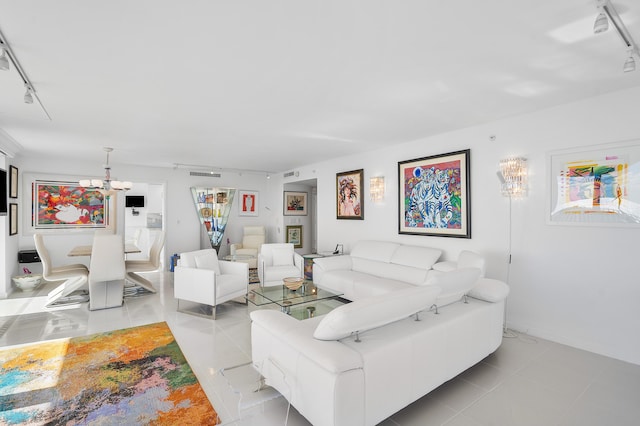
point(368, 359)
point(378, 267)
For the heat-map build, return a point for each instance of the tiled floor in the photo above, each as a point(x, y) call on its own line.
point(526, 382)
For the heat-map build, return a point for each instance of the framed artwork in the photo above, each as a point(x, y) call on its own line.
point(349, 201)
point(435, 195)
point(294, 235)
point(13, 182)
point(595, 186)
point(248, 203)
point(13, 219)
point(61, 205)
point(295, 203)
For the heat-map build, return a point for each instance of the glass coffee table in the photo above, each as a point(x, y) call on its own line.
point(306, 302)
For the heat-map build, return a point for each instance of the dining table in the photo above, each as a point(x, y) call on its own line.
point(86, 250)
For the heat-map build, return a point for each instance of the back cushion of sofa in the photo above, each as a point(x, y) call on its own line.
point(416, 257)
point(415, 276)
point(381, 251)
point(454, 284)
point(374, 311)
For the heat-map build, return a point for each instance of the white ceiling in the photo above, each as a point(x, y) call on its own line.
point(273, 84)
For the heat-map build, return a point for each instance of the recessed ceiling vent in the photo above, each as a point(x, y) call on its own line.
point(289, 174)
point(206, 174)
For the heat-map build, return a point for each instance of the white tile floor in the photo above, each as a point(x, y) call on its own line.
point(525, 382)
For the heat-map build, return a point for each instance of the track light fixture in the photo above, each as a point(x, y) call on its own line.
point(4, 62)
point(602, 23)
point(28, 97)
point(607, 13)
point(6, 56)
point(629, 64)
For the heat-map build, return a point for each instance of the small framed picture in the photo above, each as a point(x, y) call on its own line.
point(295, 203)
point(349, 187)
point(13, 182)
point(294, 235)
point(13, 219)
point(248, 203)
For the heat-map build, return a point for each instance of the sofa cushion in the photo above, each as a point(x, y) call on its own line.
point(367, 285)
point(454, 284)
point(416, 257)
point(381, 251)
point(208, 261)
point(282, 257)
point(374, 311)
point(489, 290)
point(391, 271)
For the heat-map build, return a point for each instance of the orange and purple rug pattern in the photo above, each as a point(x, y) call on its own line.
point(135, 376)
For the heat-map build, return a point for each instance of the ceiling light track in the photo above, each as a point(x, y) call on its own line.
point(608, 13)
point(8, 58)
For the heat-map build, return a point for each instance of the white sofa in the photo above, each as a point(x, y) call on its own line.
point(366, 360)
point(378, 267)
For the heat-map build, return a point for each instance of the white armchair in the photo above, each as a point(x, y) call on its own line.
point(252, 240)
point(278, 261)
point(201, 278)
point(106, 271)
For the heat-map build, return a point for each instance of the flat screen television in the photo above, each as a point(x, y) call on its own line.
point(134, 201)
point(3, 192)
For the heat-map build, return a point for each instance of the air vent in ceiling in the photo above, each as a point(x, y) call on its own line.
point(289, 174)
point(206, 174)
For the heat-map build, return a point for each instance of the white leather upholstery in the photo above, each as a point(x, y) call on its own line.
point(75, 276)
point(454, 284)
point(466, 259)
point(271, 274)
point(107, 272)
point(362, 383)
point(375, 267)
point(252, 239)
point(203, 284)
point(376, 311)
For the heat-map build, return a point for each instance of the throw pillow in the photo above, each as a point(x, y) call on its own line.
point(282, 257)
point(208, 261)
point(375, 311)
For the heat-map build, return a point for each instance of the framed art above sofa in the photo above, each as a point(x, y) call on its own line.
point(435, 196)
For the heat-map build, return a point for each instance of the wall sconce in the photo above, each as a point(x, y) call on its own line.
point(513, 176)
point(376, 188)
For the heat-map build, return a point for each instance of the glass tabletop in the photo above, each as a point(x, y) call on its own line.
point(285, 298)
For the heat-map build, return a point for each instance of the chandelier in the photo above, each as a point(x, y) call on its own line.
point(106, 185)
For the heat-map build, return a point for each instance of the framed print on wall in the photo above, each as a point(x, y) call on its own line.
point(13, 219)
point(61, 205)
point(435, 195)
point(295, 203)
point(595, 186)
point(248, 203)
point(349, 201)
point(294, 235)
point(13, 182)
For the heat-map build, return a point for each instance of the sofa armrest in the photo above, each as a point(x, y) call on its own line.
point(489, 290)
point(298, 261)
point(193, 284)
point(233, 247)
point(332, 356)
point(330, 263)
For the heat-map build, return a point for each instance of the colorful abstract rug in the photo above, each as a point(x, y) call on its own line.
point(135, 376)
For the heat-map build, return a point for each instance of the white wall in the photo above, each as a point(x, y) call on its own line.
point(574, 285)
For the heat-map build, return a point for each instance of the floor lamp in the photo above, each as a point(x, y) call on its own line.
point(513, 180)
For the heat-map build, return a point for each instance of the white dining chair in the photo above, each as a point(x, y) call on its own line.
point(73, 275)
point(147, 265)
point(106, 272)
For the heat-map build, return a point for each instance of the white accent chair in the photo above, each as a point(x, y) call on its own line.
point(106, 272)
point(146, 265)
point(201, 278)
point(74, 275)
point(252, 240)
point(277, 261)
